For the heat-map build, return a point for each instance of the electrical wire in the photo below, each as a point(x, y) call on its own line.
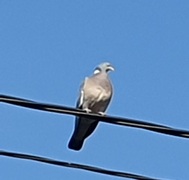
point(108, 119)
point(74, 165)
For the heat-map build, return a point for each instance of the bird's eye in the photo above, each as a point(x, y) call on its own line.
point(108, 68)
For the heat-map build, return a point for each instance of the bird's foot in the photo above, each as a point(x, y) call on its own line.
point(102, 113)
point(87, 110)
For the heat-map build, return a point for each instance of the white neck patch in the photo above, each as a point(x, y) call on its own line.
point(96, 71)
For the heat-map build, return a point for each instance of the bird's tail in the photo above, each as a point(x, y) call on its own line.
point(75, 144)
point(83, 128)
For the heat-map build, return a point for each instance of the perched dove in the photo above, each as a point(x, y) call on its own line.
point(95, 95)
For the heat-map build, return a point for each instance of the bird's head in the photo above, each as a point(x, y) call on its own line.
point(104, 67)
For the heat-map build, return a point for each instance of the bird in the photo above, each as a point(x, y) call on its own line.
point(95, 95)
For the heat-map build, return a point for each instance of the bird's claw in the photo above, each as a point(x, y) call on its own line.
point(87, 110)
point(102, 113)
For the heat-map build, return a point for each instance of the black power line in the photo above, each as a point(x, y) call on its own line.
point(74, 165)
point(108, 119)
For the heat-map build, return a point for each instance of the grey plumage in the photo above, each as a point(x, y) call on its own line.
point(95, 95)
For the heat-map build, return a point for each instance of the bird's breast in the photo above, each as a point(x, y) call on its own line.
point(97, 99)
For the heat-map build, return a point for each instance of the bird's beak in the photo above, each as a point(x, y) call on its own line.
point(111, 68)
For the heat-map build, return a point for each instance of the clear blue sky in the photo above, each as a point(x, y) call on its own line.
point(48, 47)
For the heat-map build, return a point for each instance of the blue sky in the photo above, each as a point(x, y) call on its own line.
point(48, 47)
